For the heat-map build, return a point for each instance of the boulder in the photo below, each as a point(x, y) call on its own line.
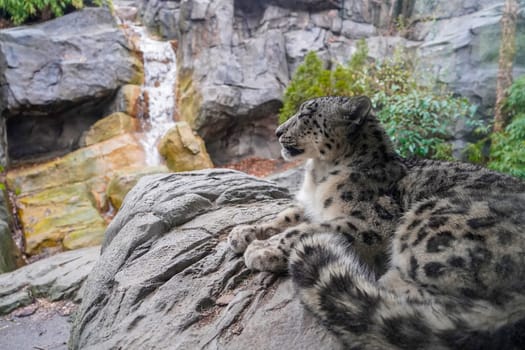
point(378, 13)
point(62, 203)
point(123, 181)
point(183, 150)
point(55, 278)
point(58, 77)
point(167, 278)
point(115, 124)
point(64, 215)
point(81, 165)
point(64, 61)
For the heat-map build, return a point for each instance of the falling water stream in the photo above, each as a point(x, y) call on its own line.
point(160, 73)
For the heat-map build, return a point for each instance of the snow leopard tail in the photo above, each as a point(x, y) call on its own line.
point(346, 297)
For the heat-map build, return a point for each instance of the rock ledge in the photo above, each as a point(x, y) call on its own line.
point(167, 279)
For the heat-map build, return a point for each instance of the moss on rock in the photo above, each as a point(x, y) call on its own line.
point(63, 215)
point(61, 202)
point(183, 150)
point(122, 182)
point(113, 125)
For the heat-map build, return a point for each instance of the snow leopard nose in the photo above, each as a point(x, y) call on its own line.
point(279, 131)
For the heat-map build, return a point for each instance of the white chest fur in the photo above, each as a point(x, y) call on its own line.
point(315, 190)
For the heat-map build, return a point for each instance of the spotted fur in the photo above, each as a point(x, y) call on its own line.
point(393, 253)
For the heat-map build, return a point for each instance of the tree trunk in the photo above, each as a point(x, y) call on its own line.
point(507, 52)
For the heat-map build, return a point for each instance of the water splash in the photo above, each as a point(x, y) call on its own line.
point(160, 72)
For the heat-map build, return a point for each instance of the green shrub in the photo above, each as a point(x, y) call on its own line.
point(20, 11)
point(507, 148)
point(419, 122)
point(515, 102)
point(418, 118)
point(311, 80)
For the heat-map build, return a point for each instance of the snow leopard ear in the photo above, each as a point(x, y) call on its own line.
point(355, 110)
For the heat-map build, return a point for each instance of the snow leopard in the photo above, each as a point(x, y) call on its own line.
point(389, 252)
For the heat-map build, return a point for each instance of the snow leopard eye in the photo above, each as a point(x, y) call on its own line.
point(303, 115)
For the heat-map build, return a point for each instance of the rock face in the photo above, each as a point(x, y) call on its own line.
point(235, 57)
point(161, 16)
point(60, 203)
point(167, 279)
point(463, 51)
point(230, 83)
point(57, 77)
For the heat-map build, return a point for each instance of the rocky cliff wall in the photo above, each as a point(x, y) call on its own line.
point(236, 57)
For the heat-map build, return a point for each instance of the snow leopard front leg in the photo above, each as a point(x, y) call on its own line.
point(241, 236)
point(272, 254)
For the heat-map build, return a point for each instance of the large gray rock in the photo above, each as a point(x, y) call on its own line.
point(463, 52)
point(55, 278)
point(57, 76)
point(167, 279)
point(81, 55)
point(230, 82)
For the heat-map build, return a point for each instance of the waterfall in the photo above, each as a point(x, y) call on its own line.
point(160, 74)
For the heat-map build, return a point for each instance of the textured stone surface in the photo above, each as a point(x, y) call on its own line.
point(54, 278)
point(47, 65)
point(449, 9)
point(58, 77)
point(61, 203)
point(167, 279)
point(291, 179)
point(129, 100)
point(161, 16)
point(64, 215)
point(10, 257)
point(41, 330)
point(230, 80)
point(100, 159)
point(463, 52)
point(3, 143)
point(183, 150)
point(115, 124)
point(123, 182)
